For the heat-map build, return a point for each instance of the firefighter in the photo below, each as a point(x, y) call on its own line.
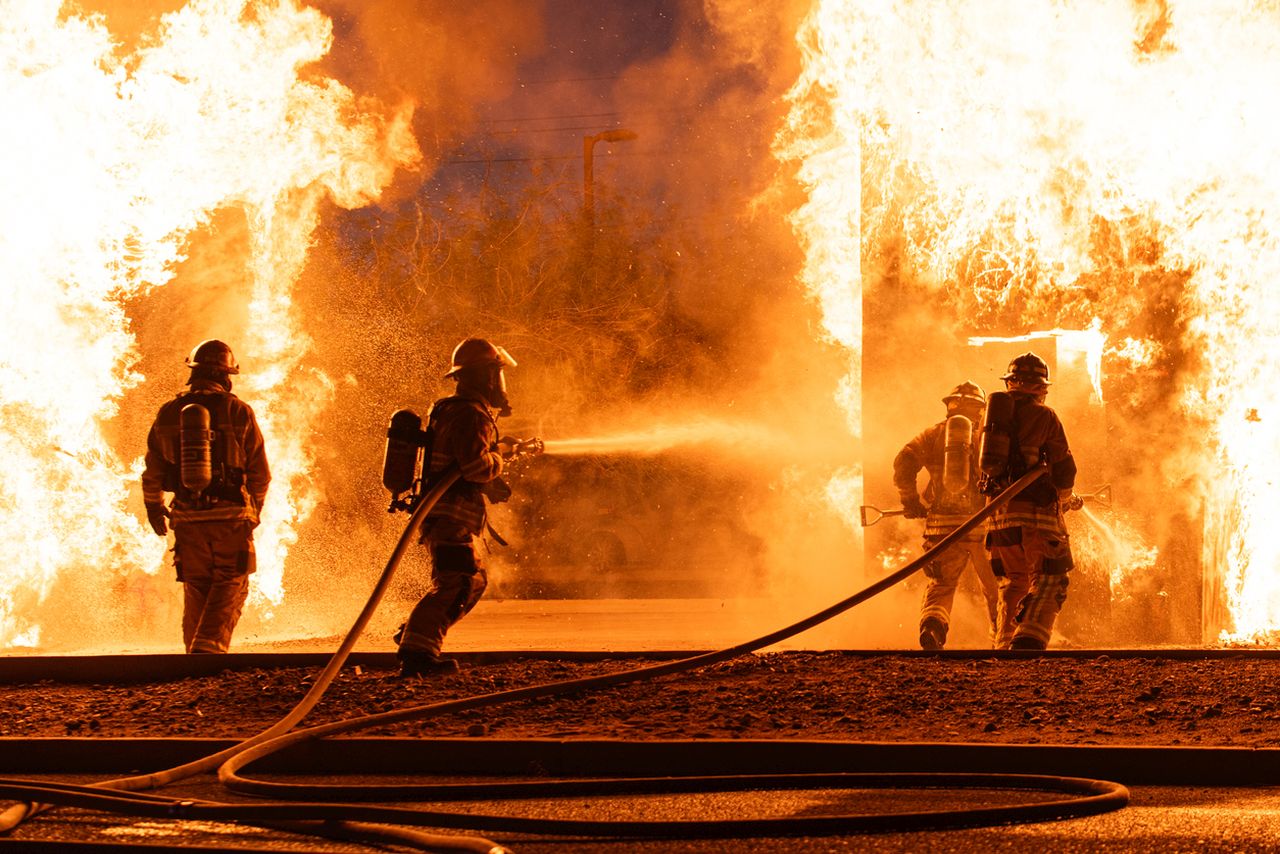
point(947, 509)
point(1027, 537)
point(206, 449)
point(463, 429)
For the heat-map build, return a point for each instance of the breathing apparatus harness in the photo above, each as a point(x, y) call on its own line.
point(1001, 459)
point(409, 447)
point(205, 473)
point(402, 459)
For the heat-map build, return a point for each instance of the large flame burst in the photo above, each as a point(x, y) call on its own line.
point(108, 164)
point(1043, 164)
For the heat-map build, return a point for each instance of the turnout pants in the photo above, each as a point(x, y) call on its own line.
point(459, 581)
point(1032, 567)
point(213, 561)
point(944, 575)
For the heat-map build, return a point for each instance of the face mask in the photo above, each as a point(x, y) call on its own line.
point(498, 393)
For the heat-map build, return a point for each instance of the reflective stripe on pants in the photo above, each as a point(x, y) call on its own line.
point(1030, 597)
point(214, 560)
point(944, 576)
point(460, 580)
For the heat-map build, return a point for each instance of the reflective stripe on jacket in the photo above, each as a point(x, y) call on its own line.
point(463, 431)
point(947, 511)
point(241, 473)
point(1040, 436)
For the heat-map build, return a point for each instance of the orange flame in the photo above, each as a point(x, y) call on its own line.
point(109, 164)
point(996, 143)
point(821, 135)
point(1090, 343)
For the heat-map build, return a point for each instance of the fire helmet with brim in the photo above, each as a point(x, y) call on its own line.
point(1029, 369)
point(213, 355)
point(967, 392)
point(475, 352)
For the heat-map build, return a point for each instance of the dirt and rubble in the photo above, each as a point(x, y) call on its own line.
point(801, 695)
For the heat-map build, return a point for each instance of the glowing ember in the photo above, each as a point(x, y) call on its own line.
point(893, 559)
point(109, 165)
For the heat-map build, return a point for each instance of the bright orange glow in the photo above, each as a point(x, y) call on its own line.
point(1041, 163)
point(821, 136)
point(1125, 553)
point(110, 162)
point(1085, 344)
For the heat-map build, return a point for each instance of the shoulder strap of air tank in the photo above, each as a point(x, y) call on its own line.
point(468, 401)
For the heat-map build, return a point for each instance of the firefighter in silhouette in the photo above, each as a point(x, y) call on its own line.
point(462, 429)
point(206, 449)
point(948, 452)
point(1027, 537)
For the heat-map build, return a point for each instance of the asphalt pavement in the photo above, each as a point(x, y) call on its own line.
point(1158, 819)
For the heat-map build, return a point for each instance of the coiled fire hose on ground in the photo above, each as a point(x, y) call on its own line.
point(349, 821)
point(82, 796)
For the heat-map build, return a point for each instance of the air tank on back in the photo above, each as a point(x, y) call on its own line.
point(997, 432)
point(401, 459)
point(196, 443)
point(957, 457)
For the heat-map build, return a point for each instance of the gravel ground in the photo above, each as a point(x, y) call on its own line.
point(804, 695)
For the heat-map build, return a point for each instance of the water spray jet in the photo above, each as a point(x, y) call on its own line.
point(714, 434)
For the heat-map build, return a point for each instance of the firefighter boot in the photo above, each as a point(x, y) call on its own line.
point(933, 633)
point(414, 663)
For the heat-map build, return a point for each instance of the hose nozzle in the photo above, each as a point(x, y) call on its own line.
point(516, 448)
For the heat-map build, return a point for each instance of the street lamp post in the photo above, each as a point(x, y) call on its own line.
point(588, 188)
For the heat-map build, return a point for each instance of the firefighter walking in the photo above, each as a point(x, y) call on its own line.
point(205, 449)
point(1027, 537)
point(462, 430)
point(947, 451)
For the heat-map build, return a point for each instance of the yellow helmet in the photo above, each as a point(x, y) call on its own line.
point(213, 354)
point(966, 392)
point(477, 351)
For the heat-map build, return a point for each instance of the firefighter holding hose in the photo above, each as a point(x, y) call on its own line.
point(462, 430)
point(948, 452)
point(1027, 537)
point(206, 449)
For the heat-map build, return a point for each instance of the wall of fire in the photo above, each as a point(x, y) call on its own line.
point(1130, 586)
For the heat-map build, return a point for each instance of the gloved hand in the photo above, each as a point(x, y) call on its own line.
point(1073, 502)
point(933, 569)
point(156, 515)
point(496, 490)
point(509, 447)
point(913, 507)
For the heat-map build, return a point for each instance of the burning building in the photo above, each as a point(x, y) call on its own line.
point(832, 213)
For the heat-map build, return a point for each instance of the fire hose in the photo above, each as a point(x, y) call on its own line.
point(349, 821)
point(41, 797)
